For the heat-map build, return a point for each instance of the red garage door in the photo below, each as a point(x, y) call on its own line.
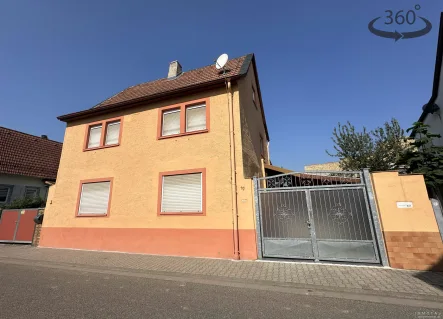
point(17, 225)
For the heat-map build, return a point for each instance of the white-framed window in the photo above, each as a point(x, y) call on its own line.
point(95, 133)
point(94, 198)
point(112, 133)
point(171, 122)
point(196, 118)
point(5, 193)
point(32, 192)
point(182, 193)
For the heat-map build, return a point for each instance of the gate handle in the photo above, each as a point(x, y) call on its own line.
point(308, 223)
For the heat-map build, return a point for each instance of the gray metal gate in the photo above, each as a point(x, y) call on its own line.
point(316, 215)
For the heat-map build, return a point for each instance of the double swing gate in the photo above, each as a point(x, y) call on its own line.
point(316, 215)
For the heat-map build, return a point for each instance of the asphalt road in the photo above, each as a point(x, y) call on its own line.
point(29, 291)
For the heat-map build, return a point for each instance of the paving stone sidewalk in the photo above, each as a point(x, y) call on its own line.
point(364, 279)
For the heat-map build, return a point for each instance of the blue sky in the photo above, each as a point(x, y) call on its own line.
point(317, 62)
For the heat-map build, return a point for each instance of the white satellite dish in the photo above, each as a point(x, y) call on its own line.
point(221, 61)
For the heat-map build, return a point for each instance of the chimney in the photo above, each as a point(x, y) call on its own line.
point(175, 69)
point(45, 137)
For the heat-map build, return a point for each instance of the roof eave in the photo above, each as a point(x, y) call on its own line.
point(252, 59)
point(151, 98)
point(437, 72)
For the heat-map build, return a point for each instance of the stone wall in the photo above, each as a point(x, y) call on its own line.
point(331, 166)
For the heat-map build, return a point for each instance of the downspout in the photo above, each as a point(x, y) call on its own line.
point(233, 170)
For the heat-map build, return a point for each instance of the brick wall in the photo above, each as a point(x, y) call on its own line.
point(414, 250)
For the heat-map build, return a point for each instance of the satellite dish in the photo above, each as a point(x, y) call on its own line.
point(221, 61)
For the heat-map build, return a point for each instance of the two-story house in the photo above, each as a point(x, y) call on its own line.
point(28, 165)
point(164, 167)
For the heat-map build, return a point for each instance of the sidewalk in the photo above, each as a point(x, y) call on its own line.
point(359, 279)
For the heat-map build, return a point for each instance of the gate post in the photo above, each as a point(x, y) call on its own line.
point(256, 183)
point(375, 219)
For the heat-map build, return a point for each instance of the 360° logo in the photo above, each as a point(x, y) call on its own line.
point(410, 17)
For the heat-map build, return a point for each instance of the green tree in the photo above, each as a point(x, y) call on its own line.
point(378, 150)
point(423, 157)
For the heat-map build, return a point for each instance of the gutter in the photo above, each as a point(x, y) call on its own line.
point(233, 171)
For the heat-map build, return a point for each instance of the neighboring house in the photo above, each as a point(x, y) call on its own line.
point(164, 167)
point(330, 166)
point(432, 111)
point(27, 164)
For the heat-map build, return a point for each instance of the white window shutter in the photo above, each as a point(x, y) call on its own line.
point(196, 118)
point(171, 123)
point(94, 198)
point(95, 133)
point(182, 193)
point(112, 133)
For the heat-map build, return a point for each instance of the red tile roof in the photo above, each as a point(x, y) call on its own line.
point(28, 155)
point(194, 77)
point(187, 82)
point(165, 87)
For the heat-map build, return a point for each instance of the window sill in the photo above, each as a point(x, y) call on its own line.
point(100, 147)
point(182, 134)
point(182, 214)
point(91, 215)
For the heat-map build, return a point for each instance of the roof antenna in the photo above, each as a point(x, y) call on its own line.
point(221, 62)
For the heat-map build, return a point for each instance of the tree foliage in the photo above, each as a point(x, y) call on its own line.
point(378, 150)
point(423, 157)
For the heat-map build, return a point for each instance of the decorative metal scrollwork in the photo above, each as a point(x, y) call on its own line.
point(339, 214)
point(326, 182)
point(283, 212)
point(279, 181)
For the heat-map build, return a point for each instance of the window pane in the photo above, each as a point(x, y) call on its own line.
point(95, 134)
point(196, 118)
point(32, 191)
point(171, 123)
point(94, 198)
point(4, 192)
point(112, 133)
point(182, 193)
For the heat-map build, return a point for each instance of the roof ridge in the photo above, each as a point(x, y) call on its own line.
point(44, 139)
point(165, 78)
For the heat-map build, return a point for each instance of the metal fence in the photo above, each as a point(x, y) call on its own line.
point(316, 215)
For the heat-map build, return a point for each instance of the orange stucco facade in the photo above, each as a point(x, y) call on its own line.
point(411, 234)
point(133, 223)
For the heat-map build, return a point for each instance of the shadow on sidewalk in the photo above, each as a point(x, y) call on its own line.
point(434, 275)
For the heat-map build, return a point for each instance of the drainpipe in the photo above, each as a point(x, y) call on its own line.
point(233, 170)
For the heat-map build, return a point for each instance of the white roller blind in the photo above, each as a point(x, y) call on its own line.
point(195, 118)
point(171, 123)
point(182, 193)
point(112, 133)
point(94, 198)
point(95, 133)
